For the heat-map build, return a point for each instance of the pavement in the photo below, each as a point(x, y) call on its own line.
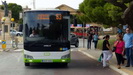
point(94, 54)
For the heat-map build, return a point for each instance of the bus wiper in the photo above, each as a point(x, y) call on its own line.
point(33, 43)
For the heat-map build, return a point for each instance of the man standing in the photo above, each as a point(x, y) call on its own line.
point(128, 38)
point(90, 37)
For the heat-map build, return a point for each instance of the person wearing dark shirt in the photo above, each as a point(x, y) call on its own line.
point(107, 52)
point(90, 37)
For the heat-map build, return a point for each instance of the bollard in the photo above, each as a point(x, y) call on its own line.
point(4, 44)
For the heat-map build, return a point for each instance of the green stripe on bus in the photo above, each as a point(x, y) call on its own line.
point(46, 60)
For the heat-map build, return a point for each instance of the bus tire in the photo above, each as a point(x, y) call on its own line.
point(27, 64)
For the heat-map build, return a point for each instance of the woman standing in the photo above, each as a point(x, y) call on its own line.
point(107, 52)
point(119, 52)
point(95, 39)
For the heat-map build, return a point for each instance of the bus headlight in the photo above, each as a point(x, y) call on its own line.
point(28, 56)
point(65, 56)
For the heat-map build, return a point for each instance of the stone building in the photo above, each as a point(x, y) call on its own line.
point(68, 8)
point(7, 22)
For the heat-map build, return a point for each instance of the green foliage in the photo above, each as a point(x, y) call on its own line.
point(114, 12)
point(2, 7)
point(15, 9)
point(20, 21)
point(102, 12)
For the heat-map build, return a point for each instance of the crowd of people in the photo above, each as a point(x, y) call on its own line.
point(123, 46)
point(92, 36)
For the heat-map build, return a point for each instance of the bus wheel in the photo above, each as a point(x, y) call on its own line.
point(27, 64)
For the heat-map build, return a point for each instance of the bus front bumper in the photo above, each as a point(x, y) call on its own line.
point(46, 60)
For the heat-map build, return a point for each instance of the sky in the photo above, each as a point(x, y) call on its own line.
point(46, 3)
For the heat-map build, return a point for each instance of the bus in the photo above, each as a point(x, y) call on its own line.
point(79, 31)
point(46, 36)
point(83, 31)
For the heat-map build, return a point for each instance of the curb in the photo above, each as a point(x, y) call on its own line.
point(112, 67)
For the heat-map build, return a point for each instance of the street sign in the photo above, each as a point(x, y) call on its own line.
point(3, 44)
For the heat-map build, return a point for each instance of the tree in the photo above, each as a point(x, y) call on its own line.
point(127, 10)
point(128, 15)
point(15, 9)
point(106, 12)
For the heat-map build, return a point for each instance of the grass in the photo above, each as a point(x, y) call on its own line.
point(100, 43)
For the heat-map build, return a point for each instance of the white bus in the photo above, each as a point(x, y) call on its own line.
point(46, 36)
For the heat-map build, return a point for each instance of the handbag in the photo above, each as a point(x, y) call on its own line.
point(114, 49)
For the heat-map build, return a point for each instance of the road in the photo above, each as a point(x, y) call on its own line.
point(12, 64)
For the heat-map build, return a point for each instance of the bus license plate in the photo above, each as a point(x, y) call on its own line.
point(47, 61)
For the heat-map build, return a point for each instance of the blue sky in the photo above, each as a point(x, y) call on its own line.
point(46, 3)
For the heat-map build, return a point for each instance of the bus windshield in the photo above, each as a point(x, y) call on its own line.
point(48, 26)
point(45, 28)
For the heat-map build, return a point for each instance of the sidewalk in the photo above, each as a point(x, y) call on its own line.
point(94, 54)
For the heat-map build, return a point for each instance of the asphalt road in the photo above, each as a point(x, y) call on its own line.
point(11, 63)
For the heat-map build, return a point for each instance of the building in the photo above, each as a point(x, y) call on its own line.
point(26, 8)
point(7, 22)
point(67, 8)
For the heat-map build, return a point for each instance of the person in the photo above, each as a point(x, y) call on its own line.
point(107, 52)
point(119, 52)
point(119, 31)
point(90, 36)
point(95, 39)
point(128, 38)
point(34, 34)
point(13, 36)
point(16, 42)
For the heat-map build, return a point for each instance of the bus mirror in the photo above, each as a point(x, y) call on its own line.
point(21, 27)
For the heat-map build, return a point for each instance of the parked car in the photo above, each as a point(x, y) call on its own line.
point(16, 33)
point(74, 40)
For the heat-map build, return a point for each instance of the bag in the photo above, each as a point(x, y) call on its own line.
point(93, 40)
point(100, 58)
point(114, 49)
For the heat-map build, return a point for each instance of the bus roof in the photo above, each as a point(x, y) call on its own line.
point(47, 10)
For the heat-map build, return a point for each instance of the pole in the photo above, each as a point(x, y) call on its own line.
point(83, 36)
point(12, 33)
point(3, 30)
point(34, 4)
point(3, 35)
